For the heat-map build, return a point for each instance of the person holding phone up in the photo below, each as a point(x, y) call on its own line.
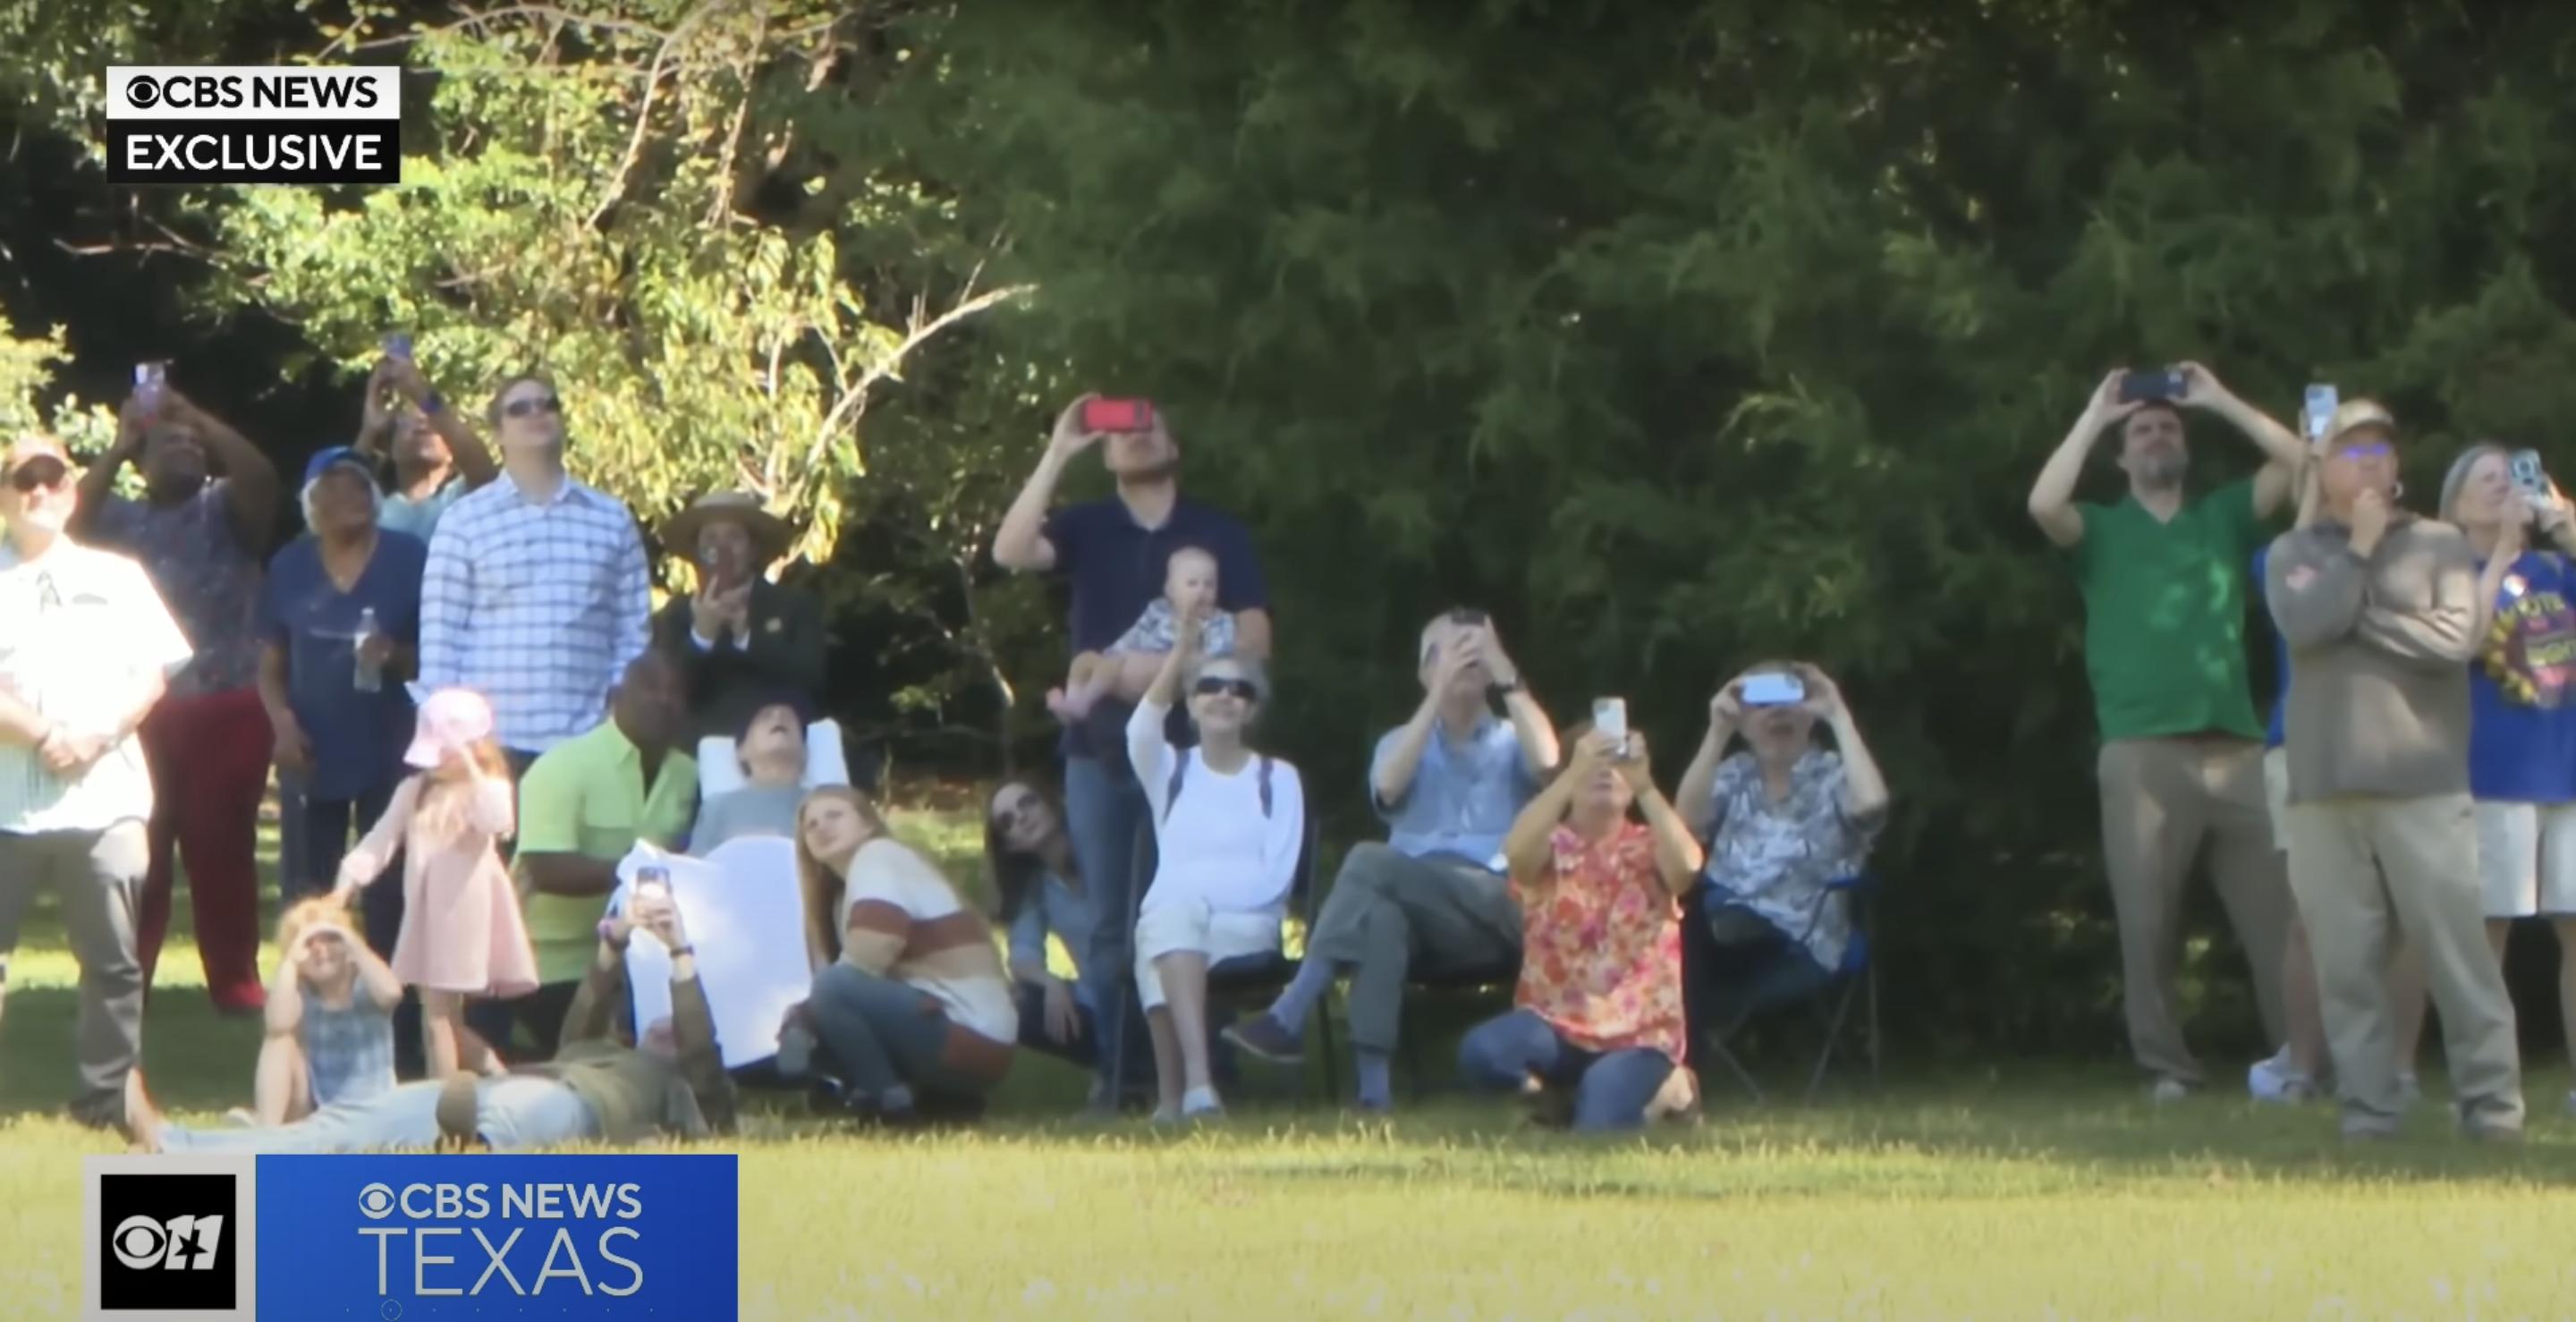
point(202, 531)
point(2522, 697)
point(433, 450)
point(1114, 554)
point(2164, 645)
point(1597, 1028)
point(742, 642)
point(2381, 612)
point(1785, 820)
point(1448, 783)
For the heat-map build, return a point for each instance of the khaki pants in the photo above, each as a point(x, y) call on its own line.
point(1390, 913)
point(2365, 870)
point(2162, 800)
point(98, 878)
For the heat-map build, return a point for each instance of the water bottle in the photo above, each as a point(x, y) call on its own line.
point(370, 678)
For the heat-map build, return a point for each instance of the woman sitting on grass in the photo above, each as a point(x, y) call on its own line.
point(1039, 885)
point(1229, 824)
point(1597, 1032)
point(910, 1008)
point(330, 1018)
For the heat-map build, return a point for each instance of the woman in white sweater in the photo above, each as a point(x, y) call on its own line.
point(1228, 825)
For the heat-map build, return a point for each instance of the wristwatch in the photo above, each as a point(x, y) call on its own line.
point(1500, 689)
point(677, 951)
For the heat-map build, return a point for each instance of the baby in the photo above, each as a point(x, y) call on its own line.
point(1127, 668)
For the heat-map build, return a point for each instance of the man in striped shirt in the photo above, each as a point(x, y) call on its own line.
point(87, 648)
point(537, 593)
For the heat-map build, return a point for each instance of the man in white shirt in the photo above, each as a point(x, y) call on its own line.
point(537, 594)
point(86, 649)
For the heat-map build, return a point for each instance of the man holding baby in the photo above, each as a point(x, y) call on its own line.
point(1118, 556)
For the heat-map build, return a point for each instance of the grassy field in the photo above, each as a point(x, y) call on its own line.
point(2007, 1191)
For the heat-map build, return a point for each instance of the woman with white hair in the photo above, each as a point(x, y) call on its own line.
point(2522, 696)
point(339, 619)
point(1229, 823)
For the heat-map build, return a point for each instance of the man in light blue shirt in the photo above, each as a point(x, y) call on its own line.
point(1448, 782)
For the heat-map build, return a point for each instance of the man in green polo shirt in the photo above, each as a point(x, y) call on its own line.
point(582, 807)
point(2163, 577)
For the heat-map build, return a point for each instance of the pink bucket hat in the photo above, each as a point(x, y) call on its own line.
point(451, 720)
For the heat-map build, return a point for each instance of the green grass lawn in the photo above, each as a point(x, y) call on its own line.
point(2018, 1190)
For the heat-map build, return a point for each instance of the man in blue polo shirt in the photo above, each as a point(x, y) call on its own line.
point(1114, 553)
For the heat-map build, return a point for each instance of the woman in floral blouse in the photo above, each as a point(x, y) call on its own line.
point(1597, 1025)
point(1785, 820)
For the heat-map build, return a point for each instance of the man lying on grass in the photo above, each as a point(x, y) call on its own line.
point(598, 1086)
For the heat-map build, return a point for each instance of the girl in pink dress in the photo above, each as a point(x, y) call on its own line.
point(461, 931)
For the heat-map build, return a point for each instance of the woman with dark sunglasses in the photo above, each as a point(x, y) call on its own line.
point(1228, 825)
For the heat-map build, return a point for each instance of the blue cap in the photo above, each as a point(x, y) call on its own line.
point(334, 457)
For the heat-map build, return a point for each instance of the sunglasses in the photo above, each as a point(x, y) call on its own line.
point(1242, 689)
point(42, 473)
point(2365, 450)
point(520, 408)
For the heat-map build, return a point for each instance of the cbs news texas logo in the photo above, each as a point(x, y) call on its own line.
point(411, 1237)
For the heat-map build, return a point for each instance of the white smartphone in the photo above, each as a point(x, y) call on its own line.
point(1610, 717)
point(2319, 413)
point(1773, 690)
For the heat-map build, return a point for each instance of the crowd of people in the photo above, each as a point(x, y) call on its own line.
point(478, 722)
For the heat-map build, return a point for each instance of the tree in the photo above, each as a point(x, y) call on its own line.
point(1685, 336)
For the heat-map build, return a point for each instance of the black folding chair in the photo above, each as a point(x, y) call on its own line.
point(1233, 982)
point(1856, 981)
point(1449, 987)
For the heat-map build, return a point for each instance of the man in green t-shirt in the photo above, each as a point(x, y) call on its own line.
point(2163, 577)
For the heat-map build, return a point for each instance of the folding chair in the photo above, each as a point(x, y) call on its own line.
point(1855, 980)
point(1232, 982)
point(1453, 986)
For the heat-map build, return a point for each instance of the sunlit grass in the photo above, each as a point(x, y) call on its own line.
point(2016, 1190)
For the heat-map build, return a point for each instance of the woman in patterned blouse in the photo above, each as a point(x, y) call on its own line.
point(1785, 820)
point(1596, 1031)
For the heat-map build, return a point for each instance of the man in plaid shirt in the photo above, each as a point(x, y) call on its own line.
point(536, 595)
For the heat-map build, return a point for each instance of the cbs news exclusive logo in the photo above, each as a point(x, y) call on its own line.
point(411, 1238)
point(177, 124)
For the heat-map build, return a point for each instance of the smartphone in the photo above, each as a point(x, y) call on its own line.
point(398, 345)
point(2320, 411)
point(2529, 476)
point(2136, 387)
point(148, 379)
point(1117, 415)
point(1467, 617)
point(1610, 717)
point(1773, 690)
point(655, 881)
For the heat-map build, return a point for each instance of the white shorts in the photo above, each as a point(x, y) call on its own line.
point(1190, 925)
point(2527, 858)
point(2276, 792)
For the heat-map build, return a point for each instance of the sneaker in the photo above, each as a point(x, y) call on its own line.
point(460, 1109)
point(1201, 1104)
point(2168, 1089)
point(1265, 1038)
point(2263, 1079)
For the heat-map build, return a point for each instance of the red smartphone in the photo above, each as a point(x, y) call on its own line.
point(1117, 415)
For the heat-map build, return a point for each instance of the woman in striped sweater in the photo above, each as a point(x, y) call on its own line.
point(910, 1004)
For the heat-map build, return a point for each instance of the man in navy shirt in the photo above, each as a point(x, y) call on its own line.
point(1113, 553)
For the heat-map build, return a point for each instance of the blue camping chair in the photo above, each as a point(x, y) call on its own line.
point(1856, 981)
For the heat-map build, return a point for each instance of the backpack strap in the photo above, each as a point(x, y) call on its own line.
point(1172, 788)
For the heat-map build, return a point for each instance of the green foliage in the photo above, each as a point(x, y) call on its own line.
point(29, 401)
point(1722, 332)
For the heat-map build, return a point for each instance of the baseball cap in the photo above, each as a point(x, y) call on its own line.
point(2356, 414)
point(338, 456)
point(452, 719)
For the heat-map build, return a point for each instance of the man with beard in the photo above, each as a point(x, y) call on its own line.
point(2164, 645)
point(1113, 553)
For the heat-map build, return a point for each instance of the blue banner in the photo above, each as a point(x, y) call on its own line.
point(425, 1236)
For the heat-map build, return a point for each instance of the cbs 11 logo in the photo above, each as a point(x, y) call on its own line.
point(182, 1243)
point(166, 1242)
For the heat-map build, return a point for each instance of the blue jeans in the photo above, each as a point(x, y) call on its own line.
point(877, 1033)
point(1611, 1090)
point(1103, 807)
